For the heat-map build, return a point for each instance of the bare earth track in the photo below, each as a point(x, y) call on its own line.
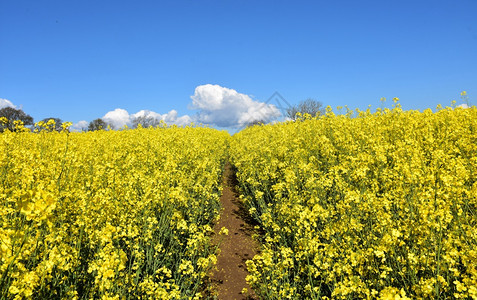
point(228, 279)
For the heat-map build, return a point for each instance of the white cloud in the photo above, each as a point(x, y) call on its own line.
point(6, 103)
point(226, 107)
point(464, 105)
point(119, 117)
point(216, 106)
point(146, 113)
point(80, 126)
point(170, 117)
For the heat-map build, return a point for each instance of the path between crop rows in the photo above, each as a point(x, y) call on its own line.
point(235, 248)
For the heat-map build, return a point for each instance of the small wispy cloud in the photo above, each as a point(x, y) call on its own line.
point(119, 117)
point(80, 126)
point(170, 118)
point(6, 103)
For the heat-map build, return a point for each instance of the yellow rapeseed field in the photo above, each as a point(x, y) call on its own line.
point(363, 205)
point(357, 205)
point(108, 214)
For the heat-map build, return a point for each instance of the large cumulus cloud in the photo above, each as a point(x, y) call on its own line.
point(117, 118)
point(215, 106)
point(226, 107)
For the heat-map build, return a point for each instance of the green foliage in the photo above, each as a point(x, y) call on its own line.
point(10, 115)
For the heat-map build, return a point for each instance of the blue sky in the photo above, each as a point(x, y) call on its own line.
point(80, 60)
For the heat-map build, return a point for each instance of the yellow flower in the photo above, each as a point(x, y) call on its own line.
point(223, 231)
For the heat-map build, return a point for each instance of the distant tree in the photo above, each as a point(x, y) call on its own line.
point(97, 124)
point(256, 122)
point(308, 106)
point(145, 121)
point(12, 115)
point(57, 126)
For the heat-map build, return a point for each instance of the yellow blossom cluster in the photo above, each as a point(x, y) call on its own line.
point(108, 214)
point(363, 205)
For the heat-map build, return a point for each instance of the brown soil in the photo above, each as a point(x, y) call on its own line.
point(237, 247)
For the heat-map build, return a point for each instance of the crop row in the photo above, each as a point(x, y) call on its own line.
point(363, 205)
point(108, 214)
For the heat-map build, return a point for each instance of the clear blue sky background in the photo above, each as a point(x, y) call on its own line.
point(79, 59)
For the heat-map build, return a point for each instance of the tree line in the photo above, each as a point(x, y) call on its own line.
point(309, 106)
point(11, 114)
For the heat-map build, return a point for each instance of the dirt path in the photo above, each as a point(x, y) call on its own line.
point(235, 248)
